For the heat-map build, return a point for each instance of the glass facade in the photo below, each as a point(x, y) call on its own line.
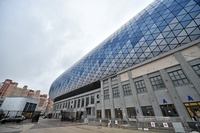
point(162, 26)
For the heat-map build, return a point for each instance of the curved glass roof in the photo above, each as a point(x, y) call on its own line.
point(161, 27)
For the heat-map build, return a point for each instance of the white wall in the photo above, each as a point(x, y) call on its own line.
point(17, 103)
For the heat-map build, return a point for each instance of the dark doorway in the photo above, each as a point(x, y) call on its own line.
point(193, 109)
point(169, 110)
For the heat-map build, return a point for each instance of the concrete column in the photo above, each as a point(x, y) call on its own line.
point(84, 98)
point(102, 102)
point(174, 95)
point(121, 94)
point(89, 99)
point(191, 74)
point(112, 109)
point(136, 102)
point(152, 96)
point(95, 106)
point(75, 107)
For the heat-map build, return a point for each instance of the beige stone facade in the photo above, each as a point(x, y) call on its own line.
point(10, 88)
point(49, 106)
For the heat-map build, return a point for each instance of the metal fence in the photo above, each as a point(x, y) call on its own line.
point(157, 123)
point(178, 124)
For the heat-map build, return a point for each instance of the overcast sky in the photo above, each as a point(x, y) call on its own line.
point(40, 39)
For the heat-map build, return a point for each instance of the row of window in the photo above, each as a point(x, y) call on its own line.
point(177, 77)
point(167, 110)
point(112, 79)
point(79, 103)
point(193, 109)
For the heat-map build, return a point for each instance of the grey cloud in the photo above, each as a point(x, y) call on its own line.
point(40, 39)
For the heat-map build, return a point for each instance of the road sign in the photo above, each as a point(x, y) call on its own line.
point(165, 125)
point(153, 124)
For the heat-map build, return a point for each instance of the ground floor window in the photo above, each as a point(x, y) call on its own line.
point(131, 112)
point(79, 115)
point(147, 111)
point(98, 113)
point(107, 113)
point(169, 110)
point(193, 109)
point(118, 113)
point(88, 110)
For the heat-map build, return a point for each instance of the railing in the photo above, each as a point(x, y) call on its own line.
point(163, 123)
point(152, 123)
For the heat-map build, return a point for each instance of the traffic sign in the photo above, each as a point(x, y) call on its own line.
point(153, 124)
point(165, 125)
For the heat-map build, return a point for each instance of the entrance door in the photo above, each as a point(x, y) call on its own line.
point(107, 113)
point(169, 110)
point(98, 113)
point(118, 113)
point(193, 108)
point(88, 110)
point(79, 115)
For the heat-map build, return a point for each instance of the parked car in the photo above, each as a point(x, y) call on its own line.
point(17, 119)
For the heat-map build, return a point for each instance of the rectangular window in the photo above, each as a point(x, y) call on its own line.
point(78, 103)
point(87, 101)
point(157, 82)
point(88, 110)
point(92, 99)
point(115, 92)
point(196, 68)
point(107, 113)
point(106, 94)
point(147, 111)
point(193, 109)
point(98, 113)
point(127, 89)
point(114, 78)
point(131, 112)
point(118, 113)
point(105, 82)
point(68, 105)
point(82, 102)
point(178, 77)
point(140, 86)
point(63, 105)
point(29, 107)
point(169, 110)
point(74, 103)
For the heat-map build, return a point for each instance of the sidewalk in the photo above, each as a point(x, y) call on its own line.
point(14, 128)
point(9, 128)
point(82, 129)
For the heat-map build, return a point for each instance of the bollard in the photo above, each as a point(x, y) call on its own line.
point(108, 124)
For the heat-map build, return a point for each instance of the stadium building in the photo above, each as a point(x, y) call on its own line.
point(150, 66)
